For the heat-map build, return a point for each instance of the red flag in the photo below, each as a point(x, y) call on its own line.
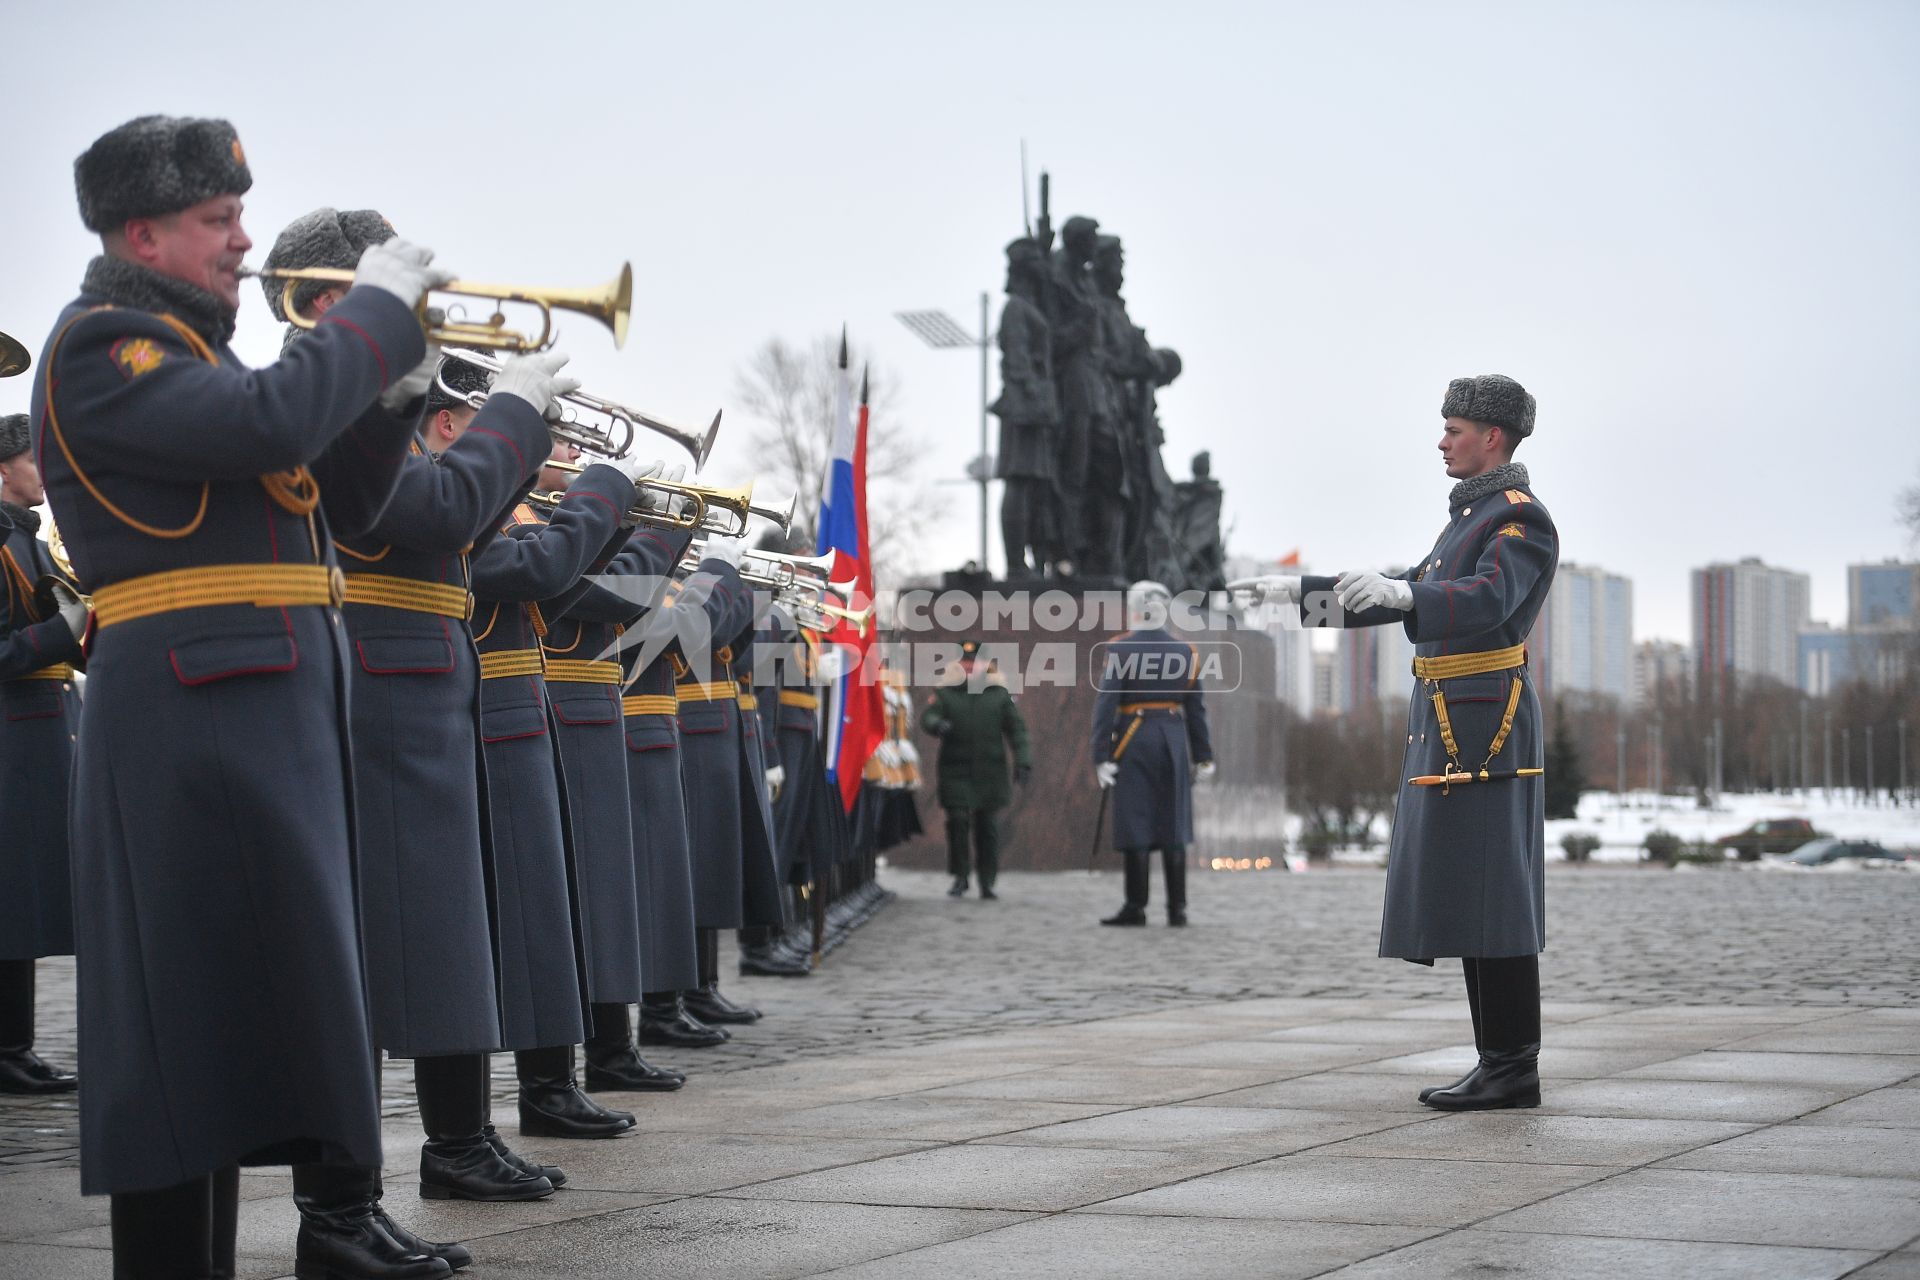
point(858, 722)
point(1291, 560)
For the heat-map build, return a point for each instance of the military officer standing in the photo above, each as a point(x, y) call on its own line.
point(1150, 744)
point(223, 1016)
point(974, 717)
point(39, 643)
point(1466, 867)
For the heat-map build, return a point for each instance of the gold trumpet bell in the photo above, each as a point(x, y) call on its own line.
point(13, 356)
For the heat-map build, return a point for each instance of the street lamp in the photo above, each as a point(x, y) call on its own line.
point(941, 331)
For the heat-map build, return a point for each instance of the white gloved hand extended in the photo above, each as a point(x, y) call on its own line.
point(1203, 771)
point(402, 269)
point(73, 610)
point(672, 504)
point(536, 379)
point(416, 382)
point(727, 549)
point(1105, 774)
point(776, 779)
point(1270, 588)
point(1361, 591)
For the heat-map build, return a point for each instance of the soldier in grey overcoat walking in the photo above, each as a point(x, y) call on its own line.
point(223, 1014)
point(1466, 867)
point(39, 645)
point(1150, 744)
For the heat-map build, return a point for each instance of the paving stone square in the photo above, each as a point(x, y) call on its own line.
point(1007, 1089)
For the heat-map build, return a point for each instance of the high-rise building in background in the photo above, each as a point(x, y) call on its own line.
point(1371, 665)
point(1292, 647)
point(1747, 620)
point(1660, 662)
point(1583, 640)
point(1884, 594)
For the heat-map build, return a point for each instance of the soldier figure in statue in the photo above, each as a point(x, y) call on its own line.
point(1029, 413)
point(1196, 525)
point(1115, 448)
point(1073, 316)
point(1153, 549)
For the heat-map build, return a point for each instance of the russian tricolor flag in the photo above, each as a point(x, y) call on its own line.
point(856, 715)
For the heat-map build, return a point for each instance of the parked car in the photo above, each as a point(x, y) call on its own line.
point(1820, 852)
point(1770, 835)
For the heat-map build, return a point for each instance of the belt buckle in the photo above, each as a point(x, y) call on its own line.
point(336, 587)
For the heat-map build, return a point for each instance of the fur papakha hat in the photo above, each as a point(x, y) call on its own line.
point(323, 238)
point(157, 165)
point(15, 438)
point(1492, 398)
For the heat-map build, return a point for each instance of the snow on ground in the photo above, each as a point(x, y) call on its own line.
point(1623, 822)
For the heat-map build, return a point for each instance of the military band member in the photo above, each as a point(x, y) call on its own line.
point(711, 599)
point(223, 1019)
point(424, 866)
point(790, 721)
point(1465, 870)
point(763, 949)
point(973, 715)
point(584, 687)
point(1150, 744)
point(542, 949)
point(39, 645)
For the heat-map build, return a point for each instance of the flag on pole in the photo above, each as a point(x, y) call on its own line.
point(856, 707)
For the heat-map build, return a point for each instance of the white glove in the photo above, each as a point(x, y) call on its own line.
point(73, 610)
point(1106, 773)
point(636, 469)
point(1203, 771)
point(727, 549)
point(1271, 588)
point(672, 504)
point(536, 379)
point(400, 269)
point(1362, 591)
point(416, 382)
point(776, 779)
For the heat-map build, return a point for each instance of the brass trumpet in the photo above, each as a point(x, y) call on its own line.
point(13, 356)
point(611, 439)
point(44, 598)
point(705, 505)
point(611, 304)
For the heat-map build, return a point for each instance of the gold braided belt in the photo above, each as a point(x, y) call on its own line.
point(1141, 708)
point(582, 671)
point(649, 704)
point(510, 662)
point(265, 586)
point(1452, 666)
point(711, 691)
point(58, 671)
point(410, 594)
point(747, 701)
point(795, 698)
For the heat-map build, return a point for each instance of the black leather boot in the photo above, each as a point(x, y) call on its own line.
point(457, 1162)
point(709, 1006)
point(664, 1020)
point(551, 1172)
point(614, 1065)
point(958, 889)
point(766, 962)
point(757, 955)
point(1505, 1078)
point(342, 1232)
point(1173, 865)
point(24, 1071)
point(165, 1234)
point(1470, 968)
point(1135, 911)
point(454, 1255)
point(552, 1105)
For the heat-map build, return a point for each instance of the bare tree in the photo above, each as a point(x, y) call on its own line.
point(1908, 506)
point(789, 392)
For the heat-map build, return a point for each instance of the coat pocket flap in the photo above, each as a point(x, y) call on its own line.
point(650, 734)
point(33, 700)
point(498, 724)
point(703, 717)
point(213, 658)
point(1493, 687)
point(404, 654)
point(586, 708)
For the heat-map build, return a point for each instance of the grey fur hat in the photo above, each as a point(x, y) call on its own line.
point(1492, 398)
point(157, 165)
point(15, 439)
point(323, 238)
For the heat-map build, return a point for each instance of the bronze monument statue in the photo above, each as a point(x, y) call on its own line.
point(1029, 413)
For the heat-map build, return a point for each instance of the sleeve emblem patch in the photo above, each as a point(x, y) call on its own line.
point(137, 356)
point(1511, 531)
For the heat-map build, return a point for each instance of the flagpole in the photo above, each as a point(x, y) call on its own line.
point(985, 335)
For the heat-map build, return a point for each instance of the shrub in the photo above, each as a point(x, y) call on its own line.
point(1662, 846)
point(1579, 845)
point(1705, 853)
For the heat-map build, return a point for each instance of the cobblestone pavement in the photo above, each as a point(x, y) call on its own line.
point(971, 1087)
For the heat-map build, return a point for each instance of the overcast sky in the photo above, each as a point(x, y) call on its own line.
point(1691, 229)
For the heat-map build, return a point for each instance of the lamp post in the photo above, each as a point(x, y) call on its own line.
point(942, 332)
